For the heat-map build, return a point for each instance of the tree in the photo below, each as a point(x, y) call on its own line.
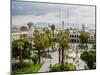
point(90, 58)
point(59, 55)
point(94, 42)
point(53, 28)
point(26, 48)
point(39, 42)
point(34, 59)
point(48, 38)
point(21, 48)
point(84, 38)
point(63, 42)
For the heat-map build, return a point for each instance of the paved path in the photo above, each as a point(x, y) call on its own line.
point(45, 66)
point(47, 62)
point(55, 59)
point(77, 62)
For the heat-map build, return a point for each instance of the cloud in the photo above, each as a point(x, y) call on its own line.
point(24, 8)
point(23, 12)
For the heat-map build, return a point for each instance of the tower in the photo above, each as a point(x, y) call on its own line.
point(30, 31)
point(62, 24)
point(83, 27)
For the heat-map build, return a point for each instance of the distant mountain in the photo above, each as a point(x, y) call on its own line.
point(57, 25)
point(42, 24)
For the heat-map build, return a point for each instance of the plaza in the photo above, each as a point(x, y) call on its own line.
point(73, 53)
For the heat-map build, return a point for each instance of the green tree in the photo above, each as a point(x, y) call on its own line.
point(53, 28)
point(34, 59)
point(16, 46)
point(94, 42)
point(48, 39)
point(39, 42)
point(90, 58)
point(84, 38)
point(63, 42)
point(20, 48)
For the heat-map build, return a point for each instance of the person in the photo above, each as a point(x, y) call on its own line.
point(77, 61)
point(78, 64)
point(73, 47)
point(50, 65)
point(73, 59)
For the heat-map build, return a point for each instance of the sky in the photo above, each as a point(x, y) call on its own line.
point(43, 13)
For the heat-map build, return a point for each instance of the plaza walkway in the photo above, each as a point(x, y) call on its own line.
point(47, 62)
point(55, 59)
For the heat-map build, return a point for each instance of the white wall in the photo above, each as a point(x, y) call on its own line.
point(5, 37)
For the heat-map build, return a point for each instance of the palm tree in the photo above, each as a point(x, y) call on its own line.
point(39, 42)
point(63, 42)
point(48, 36)
point(20, 47)
point(59, 55)
point(84, 38)
point(53, 28)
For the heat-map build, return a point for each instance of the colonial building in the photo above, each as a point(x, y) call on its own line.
point(29, 30)
point(16, 33)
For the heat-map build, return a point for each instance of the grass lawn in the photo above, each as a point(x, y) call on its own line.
point(29, 69)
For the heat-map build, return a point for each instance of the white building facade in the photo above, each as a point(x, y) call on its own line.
point(74, 34)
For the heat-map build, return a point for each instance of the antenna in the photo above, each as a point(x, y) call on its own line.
point(59, 16)
point(67, 16)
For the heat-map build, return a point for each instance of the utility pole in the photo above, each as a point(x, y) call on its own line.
point(59, 17)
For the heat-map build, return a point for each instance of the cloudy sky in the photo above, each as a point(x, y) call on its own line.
point(24, 12)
